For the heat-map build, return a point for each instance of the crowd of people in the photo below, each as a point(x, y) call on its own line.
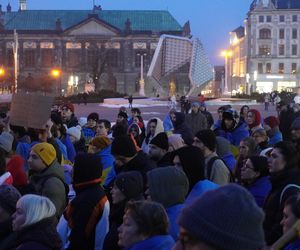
point(183, 182)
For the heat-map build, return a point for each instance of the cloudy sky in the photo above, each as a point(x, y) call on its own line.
point(211, 20)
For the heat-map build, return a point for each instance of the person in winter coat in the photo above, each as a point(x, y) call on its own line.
point(158, 150)
point(8, 200)
point(77, 139)
point(34, 222)
point(207, 114)
point(127, 186)
point(255, 178)
point(285, 180)
point(101, 145)
point(145, 226)
point(286, 117)
point(135, 131)
point(243, 113)
point(271, 125)
point(167, 122)
point(215, 169)
point(196, 120)
point(291, 213)
point(231, 128)
point(261, 138)
point(253, 120)
point(68, 116)
point(47, 176)
point(226, 218)
point(223, 151)
point(127, 158)
point(154, 127)
point(169, 187)
point(247, 148)
point(87, 213)
point(89, 130)
point(181, 127)
point(192, 162)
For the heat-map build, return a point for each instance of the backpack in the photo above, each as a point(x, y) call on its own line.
point(210, 164)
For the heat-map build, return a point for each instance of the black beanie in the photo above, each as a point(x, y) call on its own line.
point(161, 141)
point(93, 116)
point(124, 146)
point(87, 168)
point(208, 138)
point(123, 114)
point(130, 184)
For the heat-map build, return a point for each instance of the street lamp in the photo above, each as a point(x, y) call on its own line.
point(142, 81)
point(56, 74)
point(226, 54)
point(2, 72)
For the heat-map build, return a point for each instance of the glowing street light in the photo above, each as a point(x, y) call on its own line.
point(55, 73)
point(2, 71)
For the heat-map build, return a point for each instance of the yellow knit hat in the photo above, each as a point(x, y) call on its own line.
point(45, 151)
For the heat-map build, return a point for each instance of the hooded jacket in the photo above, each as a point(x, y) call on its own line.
point(51, 187)
point(159, 128)
point(180, 127)
point(196, 121)
point(169, 186)
point(238, 133)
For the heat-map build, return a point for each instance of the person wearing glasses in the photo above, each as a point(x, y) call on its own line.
point(285, 179)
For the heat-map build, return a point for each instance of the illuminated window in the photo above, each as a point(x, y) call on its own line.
point(281, 68)
point(138, 58)
point(294, 68)
point(264, 50)
point(268, 68)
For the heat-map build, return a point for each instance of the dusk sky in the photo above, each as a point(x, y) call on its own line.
point(211, 20)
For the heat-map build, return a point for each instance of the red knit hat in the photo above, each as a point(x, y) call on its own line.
point(271, 121)
point(69, 106)
point(15, 167)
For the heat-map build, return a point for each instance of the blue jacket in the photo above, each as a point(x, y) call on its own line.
point(260, 189)
point(167, 123)
point(200, 188)
point(275, 138)
point(229, 160)
point(237, 134)
point(159, 242)
point(70, 148)
point(23, 150)
point(295, 245)
point(173, 213)
point(106, 157)
point(62, 148)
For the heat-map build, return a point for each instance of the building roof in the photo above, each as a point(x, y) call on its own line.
point(279, 4)
point(240, 32)
point(156, 21)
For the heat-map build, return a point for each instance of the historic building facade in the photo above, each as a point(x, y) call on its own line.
point(104, 47)
point(273, 35)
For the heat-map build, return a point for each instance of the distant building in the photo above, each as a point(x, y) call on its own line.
point(100, 46)
point(272, 30)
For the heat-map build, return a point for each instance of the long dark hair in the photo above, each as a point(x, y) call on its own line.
point(289, 152)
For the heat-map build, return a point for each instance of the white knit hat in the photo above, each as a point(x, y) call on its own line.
point(6, 141)
point(75, 131)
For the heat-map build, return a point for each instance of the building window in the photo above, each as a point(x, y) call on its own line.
point(281, 34)
point(29, 58)
point(92, 56)
point(281, 68)
point(294, 68)
point(260, 68)
point(138, 58)
point(264, 50)
point(268, 68)
point(74, 56)
point(265, 34)
point(295, 18)
point(281, 18)
point(281, 49)
point(47, 57)
point(112, 58)
point(10, 58)
point(294, 34)
point(261, 19)
point(269, 19)
point(294, 49)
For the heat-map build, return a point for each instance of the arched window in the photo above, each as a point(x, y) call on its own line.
point(265, 34)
